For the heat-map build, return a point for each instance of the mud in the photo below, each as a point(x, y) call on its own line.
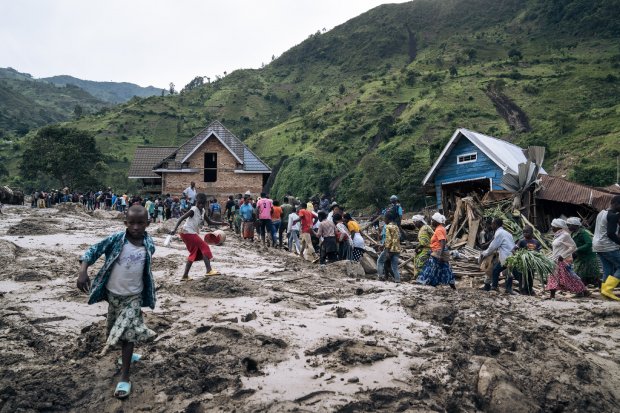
point(273, 333)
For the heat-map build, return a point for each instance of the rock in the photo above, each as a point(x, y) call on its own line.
point(354, 269)
point(368, 264)
point(248, 317)
point(341, 312)
point(353, 380)
point(501, 395)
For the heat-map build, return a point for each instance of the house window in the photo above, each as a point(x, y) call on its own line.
point(466, 158)
point(210, 167)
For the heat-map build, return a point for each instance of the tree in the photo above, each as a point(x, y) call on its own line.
point(66, 155)
point(453, 71)
point(515, 55)
point(195, 83)
point(3, 170)
point(78, 111)
point(171, 88)
point(341, 89)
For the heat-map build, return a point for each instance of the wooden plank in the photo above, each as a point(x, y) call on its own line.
point(473, 233)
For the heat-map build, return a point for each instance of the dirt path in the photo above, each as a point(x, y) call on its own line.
point(274, 334)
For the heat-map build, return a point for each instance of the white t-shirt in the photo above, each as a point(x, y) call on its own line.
point(127, 271)
point(293, 227)
point(192, 224)
point(191, 194)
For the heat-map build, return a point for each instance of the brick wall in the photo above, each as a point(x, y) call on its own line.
point(228, 182)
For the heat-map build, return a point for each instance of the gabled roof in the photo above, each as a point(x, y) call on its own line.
point(249, 161)
point(505, 154)
point(145, 159)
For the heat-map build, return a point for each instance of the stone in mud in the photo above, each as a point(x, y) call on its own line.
point(341, 312)
point(435, 312)
point(369, 264)
point(499, 393)
point(248, 317)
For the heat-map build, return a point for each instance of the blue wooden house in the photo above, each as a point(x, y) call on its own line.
point(471, 162)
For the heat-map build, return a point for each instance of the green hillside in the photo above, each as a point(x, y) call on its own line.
point(27, 103)
point(112, 92)
point(361, 111)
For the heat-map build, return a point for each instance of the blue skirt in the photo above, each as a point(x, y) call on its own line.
point(436, 272)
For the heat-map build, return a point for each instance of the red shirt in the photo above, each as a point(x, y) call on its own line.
point(307, 219)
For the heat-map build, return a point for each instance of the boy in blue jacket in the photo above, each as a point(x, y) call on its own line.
point(126, 282)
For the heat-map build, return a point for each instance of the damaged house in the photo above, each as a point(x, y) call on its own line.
point(472, 163)
point(219, 163)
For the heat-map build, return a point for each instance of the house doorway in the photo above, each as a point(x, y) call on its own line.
point(461, 189)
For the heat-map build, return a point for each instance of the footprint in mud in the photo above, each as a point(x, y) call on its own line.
point(351, 352)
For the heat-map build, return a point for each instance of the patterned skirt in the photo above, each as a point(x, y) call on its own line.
point(421, 258)
point(357, 254)
point(565, 279)
point(125, 322)
point(436, 272)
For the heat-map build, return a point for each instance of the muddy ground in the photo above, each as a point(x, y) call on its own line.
point(274, 334)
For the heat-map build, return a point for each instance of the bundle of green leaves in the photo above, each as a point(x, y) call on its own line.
point(530, 263)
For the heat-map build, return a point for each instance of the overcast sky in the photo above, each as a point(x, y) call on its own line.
point(155, 42)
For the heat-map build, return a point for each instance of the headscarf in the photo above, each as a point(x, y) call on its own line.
point(418, 218)
point(437, 217)
point(574, 221)
point(559, 223)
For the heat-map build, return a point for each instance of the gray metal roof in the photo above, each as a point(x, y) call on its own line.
point(146, 158)
point(249, 161)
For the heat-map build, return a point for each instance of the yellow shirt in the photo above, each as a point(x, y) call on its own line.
point(392, 238)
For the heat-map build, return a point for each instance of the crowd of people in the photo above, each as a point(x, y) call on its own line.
point(126, 281)
point(319, 228)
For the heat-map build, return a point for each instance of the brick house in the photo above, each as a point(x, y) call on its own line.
point(219, 163)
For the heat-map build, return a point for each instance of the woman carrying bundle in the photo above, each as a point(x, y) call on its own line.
point(437, 269)
point(563, 277)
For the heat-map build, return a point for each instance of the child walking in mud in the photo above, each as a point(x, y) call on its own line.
point(197, 247)
point(126, 282)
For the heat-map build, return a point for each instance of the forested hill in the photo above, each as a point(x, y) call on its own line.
point(361, 111)
point(112, 92)
point(27, 103)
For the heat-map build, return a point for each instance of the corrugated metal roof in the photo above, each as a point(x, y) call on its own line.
point(558, 189)
point(145, 159)
point(505, 154)
point(614, 189)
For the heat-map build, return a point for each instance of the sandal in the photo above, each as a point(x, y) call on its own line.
point(185, 279)
point(134, 358)
point(212, 272)
point(123, 389)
